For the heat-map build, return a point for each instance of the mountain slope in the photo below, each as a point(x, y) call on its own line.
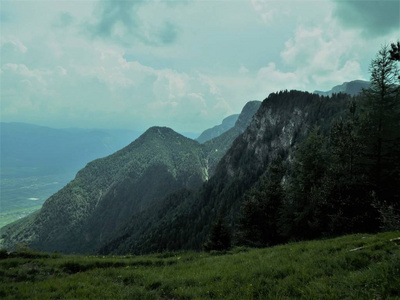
point(281, 122)
point(109, 190)
point(217, 130)
point(352, 88)
point(217, 147)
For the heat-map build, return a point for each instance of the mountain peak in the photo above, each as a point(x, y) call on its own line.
point(350, 87)
point(247, 114)
point(160, 131)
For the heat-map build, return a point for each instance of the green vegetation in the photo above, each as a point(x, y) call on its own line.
point(14, 215)
point(348, 267)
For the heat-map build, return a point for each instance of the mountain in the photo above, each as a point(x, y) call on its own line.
point(90, 210)
point(352, 88)
point(183, 219)
point(108, 191)
point(217, 147)
point(217, 130)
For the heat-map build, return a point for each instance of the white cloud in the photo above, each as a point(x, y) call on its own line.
point(324, 55)
point(271, 79)
point(186, 65)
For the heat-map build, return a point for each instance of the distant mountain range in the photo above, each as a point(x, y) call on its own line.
point(48, 149)
point(352, 88)
point(217, 130)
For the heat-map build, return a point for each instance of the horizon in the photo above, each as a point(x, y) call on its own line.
point(131, 65)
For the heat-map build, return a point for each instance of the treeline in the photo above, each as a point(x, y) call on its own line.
point(342, 180)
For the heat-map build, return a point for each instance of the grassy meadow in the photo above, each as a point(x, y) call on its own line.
point(349, 267)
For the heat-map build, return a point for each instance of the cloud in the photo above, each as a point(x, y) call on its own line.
point(102, 89)
point(12, 46)
point(323, 56)
point(373, 18)
point(272, 79)
point(64, 19)
point(168, 33)
point(121, 22)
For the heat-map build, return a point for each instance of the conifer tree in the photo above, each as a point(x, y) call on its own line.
point(381, 127)
point(258, 225)
point(348, 207)
point(302, 215)
point(220, 237)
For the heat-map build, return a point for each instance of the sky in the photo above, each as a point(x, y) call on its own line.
point(182, 64)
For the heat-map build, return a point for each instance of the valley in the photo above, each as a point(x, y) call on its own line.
point(21, 196)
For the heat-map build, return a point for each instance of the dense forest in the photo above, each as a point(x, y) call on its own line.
point(344, 178)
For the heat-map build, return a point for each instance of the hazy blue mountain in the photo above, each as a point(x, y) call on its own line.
point(190, 135)
point(37, 161)
point(217, 130)
point(47, 149)
point(352, 88)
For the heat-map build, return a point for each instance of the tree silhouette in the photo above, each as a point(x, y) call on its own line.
point(220, 237)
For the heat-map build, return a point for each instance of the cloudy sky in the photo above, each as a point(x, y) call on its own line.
point(182, 64)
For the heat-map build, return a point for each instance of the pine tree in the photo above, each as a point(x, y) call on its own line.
point(348, 202)
point(258, 225)
point(381, 127)
point(220, 237)
point(302, 213)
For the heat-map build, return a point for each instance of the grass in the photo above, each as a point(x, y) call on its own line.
point(325, 269)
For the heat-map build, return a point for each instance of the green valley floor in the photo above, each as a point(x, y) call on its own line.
point(358, 266)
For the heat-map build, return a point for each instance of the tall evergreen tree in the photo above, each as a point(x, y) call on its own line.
point(220, 237)
point(258, 225)
point(348, 201)
point(381, 127)
point(302, 213)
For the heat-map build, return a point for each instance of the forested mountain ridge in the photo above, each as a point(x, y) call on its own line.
point(108, 191)
point(280, 124)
